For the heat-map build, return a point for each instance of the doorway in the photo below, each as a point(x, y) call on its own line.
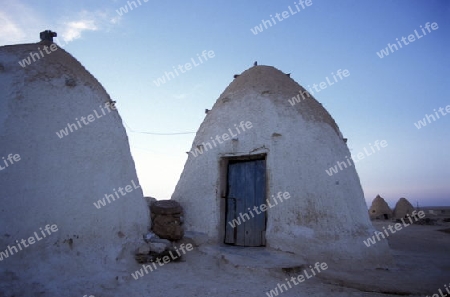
point(245, 189)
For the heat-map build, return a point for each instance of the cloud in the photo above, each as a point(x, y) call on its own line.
point(22, 23)
point(72, 30)
point(73, 27)
point(9, 30)
point(17, 23)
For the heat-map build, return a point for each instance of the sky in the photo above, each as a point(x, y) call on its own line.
point(383, 98)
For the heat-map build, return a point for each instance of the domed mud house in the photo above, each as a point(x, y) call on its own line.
point(380, 209)
point(402, 208)
point(56, 176)
point(256, 175)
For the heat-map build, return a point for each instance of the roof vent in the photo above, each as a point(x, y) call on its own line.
point(47, 35)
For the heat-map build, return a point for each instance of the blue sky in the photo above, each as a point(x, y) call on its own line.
point(381, 99)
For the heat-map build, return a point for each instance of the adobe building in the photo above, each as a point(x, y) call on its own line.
point(256, 175)
point(403, 208)
point(50, 180)
point(380, 210)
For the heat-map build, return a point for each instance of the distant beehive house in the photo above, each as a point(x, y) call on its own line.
point(403, 208)
point(380, 210)
point(254, 148)
point(54, 178)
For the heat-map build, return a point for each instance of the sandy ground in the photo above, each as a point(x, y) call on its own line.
point(422, 255)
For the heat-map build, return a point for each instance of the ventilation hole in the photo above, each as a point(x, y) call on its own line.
point(70, 82)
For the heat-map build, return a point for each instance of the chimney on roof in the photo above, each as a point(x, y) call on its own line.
point(47, 35)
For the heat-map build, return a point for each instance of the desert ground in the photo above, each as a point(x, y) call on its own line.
point(421, 253)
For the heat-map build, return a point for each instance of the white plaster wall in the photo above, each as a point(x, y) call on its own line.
point(57, 180)
point(326, 217)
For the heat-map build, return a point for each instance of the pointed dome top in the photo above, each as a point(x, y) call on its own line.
point(378, 200)
point(48, 60)
point(269, 81)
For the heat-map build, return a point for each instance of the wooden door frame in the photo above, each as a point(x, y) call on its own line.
point(223, 186)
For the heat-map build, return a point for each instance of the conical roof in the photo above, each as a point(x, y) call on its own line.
point(269, 82)
point(402, 208)
point(380, 209)
point(60, 64)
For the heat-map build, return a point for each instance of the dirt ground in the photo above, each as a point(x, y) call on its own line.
point(422, 255)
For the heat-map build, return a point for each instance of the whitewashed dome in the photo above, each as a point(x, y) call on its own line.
point(326, 217)
point(58, 179)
